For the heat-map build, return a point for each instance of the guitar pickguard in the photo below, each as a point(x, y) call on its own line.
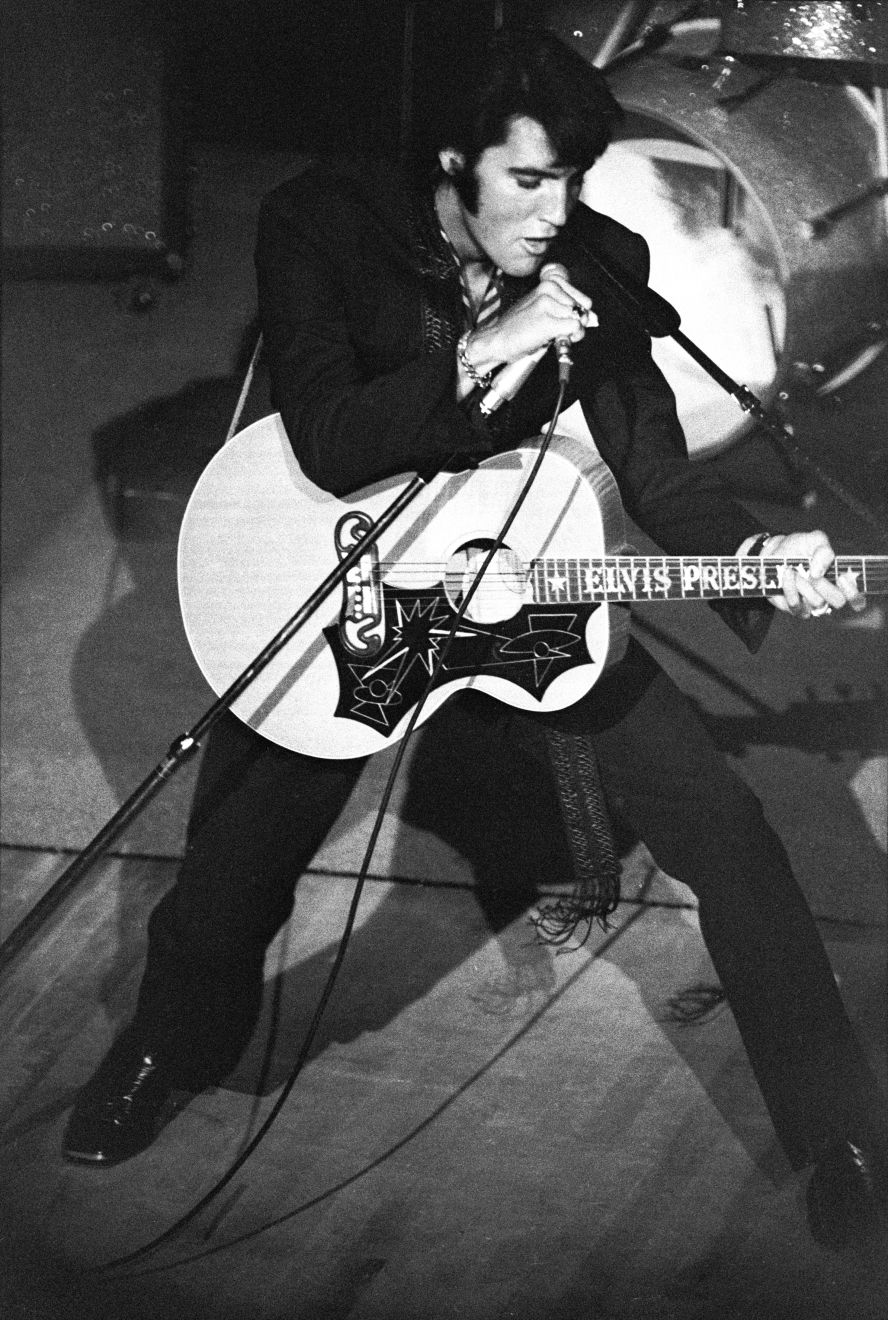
point(530, 649)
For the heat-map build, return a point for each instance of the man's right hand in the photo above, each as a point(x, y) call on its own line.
point(553, 309)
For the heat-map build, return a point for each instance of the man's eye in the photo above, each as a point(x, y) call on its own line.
point(528, 183)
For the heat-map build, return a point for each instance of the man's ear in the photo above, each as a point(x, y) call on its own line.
point(452, 161)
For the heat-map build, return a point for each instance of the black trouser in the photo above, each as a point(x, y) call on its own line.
point(260, 813)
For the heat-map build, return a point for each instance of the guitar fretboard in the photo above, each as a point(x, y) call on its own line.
point(687, 577)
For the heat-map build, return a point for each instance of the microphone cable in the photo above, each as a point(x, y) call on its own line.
point(376, 1162)
point(333, 975)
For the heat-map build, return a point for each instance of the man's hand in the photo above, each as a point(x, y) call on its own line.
point(552, 310)
point(809, 593)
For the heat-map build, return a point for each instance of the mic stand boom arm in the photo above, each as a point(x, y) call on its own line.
point(659, 318)
point(189, 742)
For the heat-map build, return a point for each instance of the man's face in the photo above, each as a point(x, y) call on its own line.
point(524, 199)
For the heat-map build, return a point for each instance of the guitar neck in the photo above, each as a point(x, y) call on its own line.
point(627, 578)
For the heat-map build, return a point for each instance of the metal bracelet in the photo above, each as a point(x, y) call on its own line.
point(483, 381)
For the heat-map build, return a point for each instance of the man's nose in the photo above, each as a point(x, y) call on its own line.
point(556, 203)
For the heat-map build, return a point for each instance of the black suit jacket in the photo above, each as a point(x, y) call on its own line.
point(360, 306)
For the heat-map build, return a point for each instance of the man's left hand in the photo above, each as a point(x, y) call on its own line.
point(809, 593)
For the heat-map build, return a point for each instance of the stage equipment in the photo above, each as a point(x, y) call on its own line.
point(760, 200)
point(851, 38)
point(93, 169)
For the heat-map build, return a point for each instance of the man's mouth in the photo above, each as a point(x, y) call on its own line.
point(537, 246)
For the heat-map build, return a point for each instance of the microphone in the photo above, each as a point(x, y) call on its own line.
point(565, 361)
point(562, 345)
point(509, 381)
point(514, 374)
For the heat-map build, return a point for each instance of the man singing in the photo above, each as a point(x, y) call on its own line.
point(389, 305)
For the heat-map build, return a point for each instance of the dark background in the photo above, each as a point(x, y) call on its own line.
point(102, 101)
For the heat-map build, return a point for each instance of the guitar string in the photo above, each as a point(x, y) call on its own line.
point(419, 567)
point(498, 580)
point(517, 581)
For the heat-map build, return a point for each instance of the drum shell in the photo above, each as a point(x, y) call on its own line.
point(844, 35)
point(800, 149)
point(792, 150)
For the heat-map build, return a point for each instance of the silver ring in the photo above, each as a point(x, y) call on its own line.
point(820, 609)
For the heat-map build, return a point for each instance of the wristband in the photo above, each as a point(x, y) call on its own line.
point(474, 375)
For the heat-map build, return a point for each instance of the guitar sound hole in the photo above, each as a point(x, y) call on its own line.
point(503, 589)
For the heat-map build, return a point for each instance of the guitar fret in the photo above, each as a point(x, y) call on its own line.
point(856, 566)
point(566, 566)
point(611, 583)
point(585, 582)
point(743, 589)
point(573, 579)
point(556, 581)
point(691, 578)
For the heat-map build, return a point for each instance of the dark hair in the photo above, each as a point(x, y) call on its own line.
point(528, 73)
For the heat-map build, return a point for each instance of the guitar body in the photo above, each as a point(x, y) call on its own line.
point(258, 538)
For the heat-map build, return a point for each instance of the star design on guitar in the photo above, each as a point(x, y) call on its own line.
point(557, 583)
point(418, 631)
point(529, 649)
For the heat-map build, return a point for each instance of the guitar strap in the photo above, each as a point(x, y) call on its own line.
point(590, 838)
point(587, 825)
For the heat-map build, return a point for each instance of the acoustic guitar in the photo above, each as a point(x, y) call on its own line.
point(548, 619)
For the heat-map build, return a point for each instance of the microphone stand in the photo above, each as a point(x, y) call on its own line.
point(188, 743)
point(659, 319)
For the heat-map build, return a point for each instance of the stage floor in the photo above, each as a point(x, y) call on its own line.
point(485, 1128)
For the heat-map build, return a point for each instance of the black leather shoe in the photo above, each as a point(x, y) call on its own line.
point(120, 1110)
point(847, 1197)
